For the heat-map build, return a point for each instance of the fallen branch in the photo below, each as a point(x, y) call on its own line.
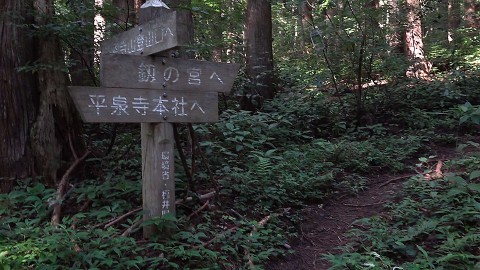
point(62, 186)
point(218, 236)
point(205, 205)
point(114, 221)
point(261, 223)
point(201, 197)
point(128, 231)
point(120, 218)
point(395, 179)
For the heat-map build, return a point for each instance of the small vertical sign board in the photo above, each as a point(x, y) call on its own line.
point(156, 92)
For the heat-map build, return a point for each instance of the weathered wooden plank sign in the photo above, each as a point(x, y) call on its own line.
point(155, 92)
point(166, 73)
point(126, 105)
point(152, 37)
point(158, 174)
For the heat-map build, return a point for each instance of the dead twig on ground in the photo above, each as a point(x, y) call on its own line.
point(201, 197)
point(261, 223)
point(128, 231)
point(205, 205)
point(218, 236)
point(395, 179)
point(62, 186)
point(122, 217)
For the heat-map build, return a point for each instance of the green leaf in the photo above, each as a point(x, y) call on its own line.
point(425, 254)
point(474, 187)
point(423, 159)
point(456, 191)
point(474, 175)
point(464, 119)
point(230, 126)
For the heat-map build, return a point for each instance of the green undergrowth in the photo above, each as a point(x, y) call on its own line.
point(434, 225)
point(302, 148)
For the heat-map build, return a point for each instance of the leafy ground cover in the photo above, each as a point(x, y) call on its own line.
point(304, 148)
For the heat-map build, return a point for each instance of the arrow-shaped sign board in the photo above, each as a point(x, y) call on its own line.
point(127, 105)
point(152, 37)
point(166, 73)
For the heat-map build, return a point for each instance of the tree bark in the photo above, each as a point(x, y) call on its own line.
point(413, 42)
point(56, 120)
point(454, 18)
point(259, 53)
point(472, 18)
point(395, 36)
point(17, 94)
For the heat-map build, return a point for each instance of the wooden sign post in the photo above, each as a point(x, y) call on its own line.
point(156, 92)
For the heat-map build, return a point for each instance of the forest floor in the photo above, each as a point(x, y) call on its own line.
point(324, 227)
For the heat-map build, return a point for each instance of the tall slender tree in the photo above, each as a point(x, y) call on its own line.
point(259, 53)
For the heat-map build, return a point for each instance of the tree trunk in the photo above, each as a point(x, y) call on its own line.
point(413, 45)
point(17, 94)
point(395, 36)
point(454, 18)
point(472, 18)
point(38, 117)
point(259, 54)
point(56, 121)
point(82, 51)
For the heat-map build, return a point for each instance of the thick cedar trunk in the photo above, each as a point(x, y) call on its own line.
point(259, 62)
point(38, 117)
point(56, 121)
point(413, 45)
point(17, 94)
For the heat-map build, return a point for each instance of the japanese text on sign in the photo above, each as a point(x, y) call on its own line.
point(165, 177)
point(161, 105)
point(149, 73)
point(142, 40)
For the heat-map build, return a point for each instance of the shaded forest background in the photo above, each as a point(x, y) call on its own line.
point(330, 93)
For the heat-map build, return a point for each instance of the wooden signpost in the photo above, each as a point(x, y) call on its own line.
point(151, 37)
point(156, 92)
point(166, 73)
point(129, 105)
